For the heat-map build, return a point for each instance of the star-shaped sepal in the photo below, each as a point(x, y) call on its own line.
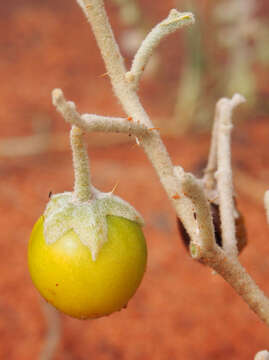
point(87, 219)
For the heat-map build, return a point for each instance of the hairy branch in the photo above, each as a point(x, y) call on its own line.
point(200, 229)
point(235, 274)
point(127, 95)
point(224, 173)
point(94, 123)
point(227, 266)
point(82, 189)
point(173, 22)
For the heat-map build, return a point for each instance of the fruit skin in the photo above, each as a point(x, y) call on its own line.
point(67, 277)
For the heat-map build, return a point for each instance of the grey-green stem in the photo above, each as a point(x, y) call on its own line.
point(229, 268)
point(82, 186)
point(152, 144)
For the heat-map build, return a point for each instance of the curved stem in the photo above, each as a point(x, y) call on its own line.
point(82, 187)
point(173, 22)
point(127, 95)
point(201, 231)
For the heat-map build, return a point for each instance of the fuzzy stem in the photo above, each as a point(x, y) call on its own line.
point(157, 154)
point(200, 229)
point(82, 187)
point(127, 95)
point(173, 22)
point(92, 122)
point(235, 274)
point(224, 174)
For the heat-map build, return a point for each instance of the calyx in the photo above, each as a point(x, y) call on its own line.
point(87, 219)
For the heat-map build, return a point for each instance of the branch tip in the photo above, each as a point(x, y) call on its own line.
point(170, 24)
point(237, 99)
point(226, 266)
point(57, 96)
point(177, 18)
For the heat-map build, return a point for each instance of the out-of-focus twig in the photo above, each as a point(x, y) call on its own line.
point(36, 144)
point(53, 335)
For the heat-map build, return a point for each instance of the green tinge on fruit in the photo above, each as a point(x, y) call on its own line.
point(67, 277)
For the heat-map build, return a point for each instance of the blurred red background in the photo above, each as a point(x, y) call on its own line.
point(181, 310)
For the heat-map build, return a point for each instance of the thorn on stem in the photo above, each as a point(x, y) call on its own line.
point(114, 188)
point(104, 74)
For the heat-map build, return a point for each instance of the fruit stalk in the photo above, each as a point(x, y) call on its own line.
point(82, 186)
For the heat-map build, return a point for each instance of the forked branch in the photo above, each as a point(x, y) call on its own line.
point(185, 192)
point(96, 123)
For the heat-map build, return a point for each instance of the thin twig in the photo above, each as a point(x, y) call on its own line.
point(53, 331)
point(92, 122)
point(224, 174)
point(82, 188)
point(200, 229)
point(226, 266)
point(173, 22)
point(153, 145)
point(235, 274)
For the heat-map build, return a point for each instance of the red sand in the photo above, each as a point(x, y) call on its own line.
point(181, 310)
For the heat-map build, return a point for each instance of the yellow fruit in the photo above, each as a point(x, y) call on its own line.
point(67, 277)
